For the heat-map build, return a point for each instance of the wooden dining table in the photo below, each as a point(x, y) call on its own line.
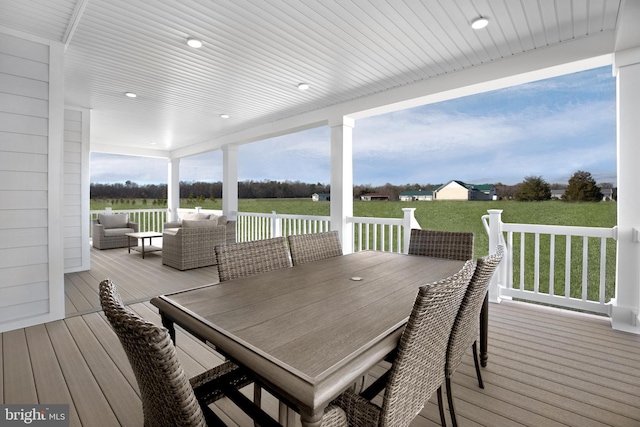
point(309, 332)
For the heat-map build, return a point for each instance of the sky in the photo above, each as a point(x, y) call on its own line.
point(550, 128)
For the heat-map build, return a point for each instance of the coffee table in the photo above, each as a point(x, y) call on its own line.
point(141, 236)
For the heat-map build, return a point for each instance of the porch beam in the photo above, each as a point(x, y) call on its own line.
point(342, 179)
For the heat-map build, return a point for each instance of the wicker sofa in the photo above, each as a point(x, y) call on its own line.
point(190, 244)
point(108, 231)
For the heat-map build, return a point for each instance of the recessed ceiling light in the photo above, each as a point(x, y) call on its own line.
point(195, 43)
point(479, 23)
point(130, 94)
point(224, 116)
point(303, 86)
point(152, 143)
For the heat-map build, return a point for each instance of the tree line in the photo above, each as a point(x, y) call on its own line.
point(207, 190)
point(581, 187)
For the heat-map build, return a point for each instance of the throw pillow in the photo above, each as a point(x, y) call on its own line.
point(113, 221)
point(195, 216)
point(187, 223)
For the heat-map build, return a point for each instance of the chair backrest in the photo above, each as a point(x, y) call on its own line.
point(166, 393)
point(466, 326)
point(441, 244)
point(244, 259)
point(418, 369)
point(314, 247)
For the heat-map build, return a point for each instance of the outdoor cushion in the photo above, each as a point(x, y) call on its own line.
point(199, 224)
point(222, 219)
point(113, 221)
point(195, 216)
point(117, 231)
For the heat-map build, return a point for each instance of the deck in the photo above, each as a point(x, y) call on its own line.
point(547, 367)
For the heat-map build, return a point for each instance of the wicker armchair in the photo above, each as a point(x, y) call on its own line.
point(249, 258)
point(465, 328)
point(108, 231)
point(185, 248)
point(441, 244)
point(314, 247)
point(418, 369)
point(169, 398)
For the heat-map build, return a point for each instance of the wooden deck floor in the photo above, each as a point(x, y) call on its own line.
point(547, 367)
point(137, 279)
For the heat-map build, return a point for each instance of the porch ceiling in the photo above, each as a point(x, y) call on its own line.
point(255, 53)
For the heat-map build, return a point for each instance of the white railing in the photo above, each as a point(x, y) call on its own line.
point(256, 226)
point(147, 219)
point(381, 234)
point(576, 269)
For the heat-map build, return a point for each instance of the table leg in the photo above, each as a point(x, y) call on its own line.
point(129, 243)
point(484, 331)
point(311, 418)
point(168, 323)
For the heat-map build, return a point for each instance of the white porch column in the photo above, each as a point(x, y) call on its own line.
point(173, 189)
point(230, 181)
point(625, 307)
point(342, 179)
point(500, 278)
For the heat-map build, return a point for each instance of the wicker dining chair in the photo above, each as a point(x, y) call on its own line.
point(314, 247)
point(244, 259)
point(441, 244)
point(466, 327)
point(169, 398)
point(418, 369)
point(236, 260)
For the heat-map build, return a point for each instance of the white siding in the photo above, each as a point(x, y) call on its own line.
point(25, 177)
point(75, 202)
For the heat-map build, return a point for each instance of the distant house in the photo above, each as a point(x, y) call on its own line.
point(458, 190)
point(608, 194)
point(374, 196)
point(416, 195)
point(557, 194)
point(321, 197)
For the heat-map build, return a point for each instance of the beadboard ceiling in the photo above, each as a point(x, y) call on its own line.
point(255, 52)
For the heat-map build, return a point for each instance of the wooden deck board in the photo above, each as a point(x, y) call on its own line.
point(122, 398)
point(50, 383)
point(565, 362)
point(19, 384)
point(547, 367)
point(137, 279)
point(561, 335)
point(575, 378)
point(100, 327)
point(80, 302)
point(86, 393)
